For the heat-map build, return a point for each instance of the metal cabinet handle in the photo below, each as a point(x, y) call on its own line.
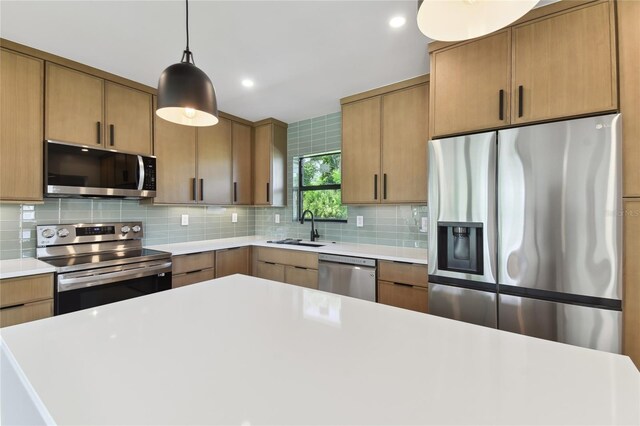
point(384, 186)
point(267, 192)
point(501, 103)
point(112, 135)
point(194, 188)
point(201, 189)
point(520, 101)
point(235, 192)
point(375, 187)
point(99, 128)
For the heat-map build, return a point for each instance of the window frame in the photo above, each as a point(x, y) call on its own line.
point(301, 188)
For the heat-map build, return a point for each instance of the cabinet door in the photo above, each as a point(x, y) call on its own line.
point(629, 59)
point(300, 276)
point(73, 106)
point(631, 303)
point(232, 261)
point(262, 165)
point(270, 271)
point(128, 119)
point(175, 149)
point(467, 84)
point(404, 145)
point(361, 152)
point(403, 296)
point(21, 86)
point(241, 137)
point(564, 65)
point(214, 163)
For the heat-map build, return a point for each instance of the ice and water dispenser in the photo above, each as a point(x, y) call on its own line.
point(460, 247)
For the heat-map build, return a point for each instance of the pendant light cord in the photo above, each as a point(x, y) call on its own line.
point(187, 56)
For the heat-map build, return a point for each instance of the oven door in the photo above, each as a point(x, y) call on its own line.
point(87, 289)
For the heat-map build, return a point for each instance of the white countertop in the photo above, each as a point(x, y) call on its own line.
point(22, 267)
point(242, 350)
point(400, 254)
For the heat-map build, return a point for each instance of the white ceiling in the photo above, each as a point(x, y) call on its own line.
point(303, 55)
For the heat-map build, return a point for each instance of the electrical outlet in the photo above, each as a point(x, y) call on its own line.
point(359, 221)
point(277, 218)
point(234, 217)
point(425, 224)
point(28, 208)
point(28, 215)
point(184, 220)
point(26, 235)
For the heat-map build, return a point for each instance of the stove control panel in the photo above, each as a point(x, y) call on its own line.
point(52, 235)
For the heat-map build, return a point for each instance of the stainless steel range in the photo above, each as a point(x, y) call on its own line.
point(100, 263)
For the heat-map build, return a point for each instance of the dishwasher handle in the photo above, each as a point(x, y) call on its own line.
point(356, 261)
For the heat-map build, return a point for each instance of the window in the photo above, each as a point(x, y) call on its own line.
point(319, 187)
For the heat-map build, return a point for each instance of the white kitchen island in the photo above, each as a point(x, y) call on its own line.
point(242, 350)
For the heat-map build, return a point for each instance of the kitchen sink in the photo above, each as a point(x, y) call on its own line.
point(295, 242)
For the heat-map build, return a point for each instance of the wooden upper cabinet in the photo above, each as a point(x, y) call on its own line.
point(564, 65)
point(73, 106)
point(214, 163)
point(21, 134)
point(175, 149)
point(242, 149)
point(629, 60)
point(469, 85)
point(128, 119)
point(404, 145)
point(270, 165)
point(361, 180)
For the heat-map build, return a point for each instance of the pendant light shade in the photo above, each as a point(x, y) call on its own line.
point(185, 93)
point(455, 20)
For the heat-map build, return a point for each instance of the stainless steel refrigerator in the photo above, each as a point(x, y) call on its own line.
point(525, 233)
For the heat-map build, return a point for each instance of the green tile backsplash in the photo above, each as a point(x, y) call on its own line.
point(386, 225)
point(161, 223)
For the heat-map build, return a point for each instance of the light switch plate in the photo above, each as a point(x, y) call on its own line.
point(277, 218)
point(26, 207)
point(425, 224)
point(28, 215)
point(359, 221)
point(184, 220)
point(26, 235)
point(234, 217)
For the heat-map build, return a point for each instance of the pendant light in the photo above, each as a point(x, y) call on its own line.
point(455, 20)
point(185, 93)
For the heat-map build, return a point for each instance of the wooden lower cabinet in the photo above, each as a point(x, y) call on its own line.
point(192, 268)
point(26, 299)
point(270, 271)
point(403, 296)
point(287, 266)
point(232, 261)
point(404, 285)
point(631, 301)
point(301, 276)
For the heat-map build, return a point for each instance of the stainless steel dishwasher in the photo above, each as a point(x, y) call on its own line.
point(349, 276)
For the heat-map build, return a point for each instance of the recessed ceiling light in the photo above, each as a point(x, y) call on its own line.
point(247, 83)
point(397, 21)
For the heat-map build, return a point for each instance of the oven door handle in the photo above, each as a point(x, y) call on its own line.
point(74, 283)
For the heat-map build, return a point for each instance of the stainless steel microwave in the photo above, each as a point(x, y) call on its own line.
point(81, 171)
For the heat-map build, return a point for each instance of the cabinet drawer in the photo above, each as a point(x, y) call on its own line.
point(405, 273)
point(17, 291)
point(288, 257)
point(192, 278)
point(303, 277)
point(403, 296)
point(270, 271)
point(193, 262)
point(25, 313)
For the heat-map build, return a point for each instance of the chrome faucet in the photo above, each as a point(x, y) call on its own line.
point(314, 231)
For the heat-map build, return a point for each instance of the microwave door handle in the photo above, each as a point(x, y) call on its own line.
point(140, 173)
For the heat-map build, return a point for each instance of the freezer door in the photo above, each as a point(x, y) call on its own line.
point(462, 188)
point(463, 304)
point(576, 325)
point(559, 204)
